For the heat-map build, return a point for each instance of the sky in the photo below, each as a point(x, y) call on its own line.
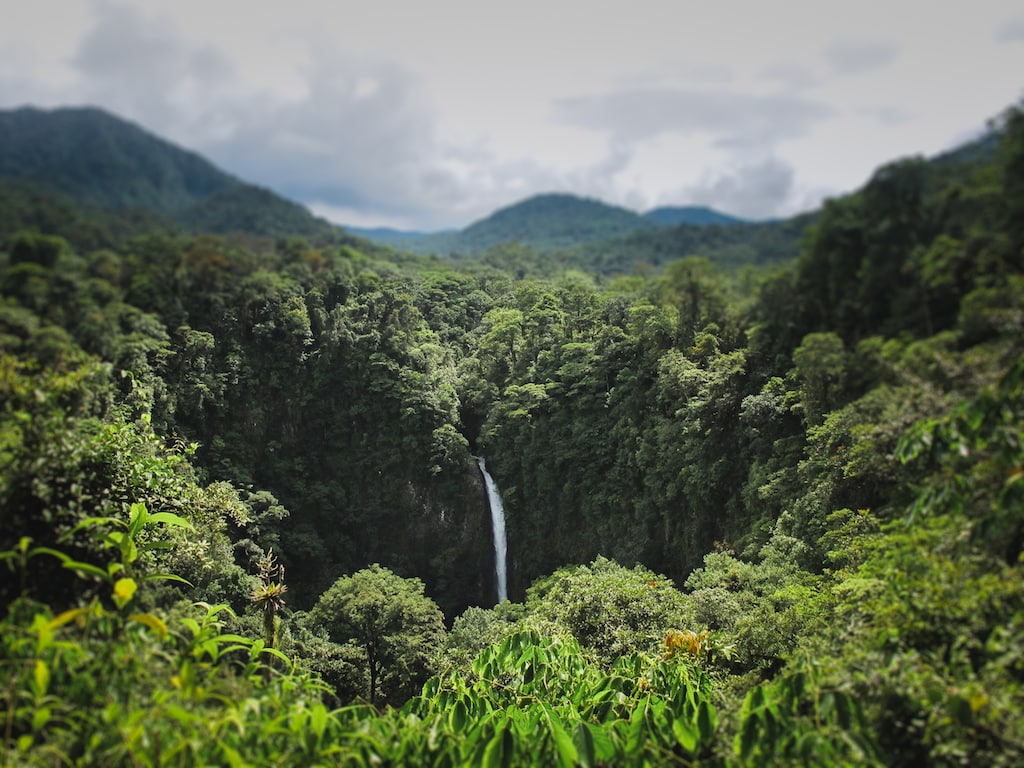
point(430, 115)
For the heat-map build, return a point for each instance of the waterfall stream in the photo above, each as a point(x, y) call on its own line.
point(498, 525)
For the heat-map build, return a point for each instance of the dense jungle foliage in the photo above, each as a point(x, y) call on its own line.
point(755, 517)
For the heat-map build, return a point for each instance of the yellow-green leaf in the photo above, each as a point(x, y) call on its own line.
point(41, 677)
point(150, 621)
point(64, 618)
point(124, 590)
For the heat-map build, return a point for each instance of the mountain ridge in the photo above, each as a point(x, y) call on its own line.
point(698, 215)
point(117, 177)
point(107, 168)
point(590, 220)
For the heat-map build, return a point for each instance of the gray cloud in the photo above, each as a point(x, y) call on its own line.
point(142, 70)
point(1011, 31)
point(757, 190)
point(356, 135)
point(338, 145)
point(737, 120)
point(790, 75)
point(888, 115)
point(853, 58)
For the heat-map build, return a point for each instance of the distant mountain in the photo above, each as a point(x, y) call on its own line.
point(408, 240)
point(393, 236)
point(545, 222)
point(108, 168)
point(734, 243)
point(97, 179)
point(697, 215)
point(551, 221)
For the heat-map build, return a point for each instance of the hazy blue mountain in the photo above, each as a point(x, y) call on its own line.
point(545, 222)
point(551, 221)
point(412, 241)
point(698, 215)
point(392, 236)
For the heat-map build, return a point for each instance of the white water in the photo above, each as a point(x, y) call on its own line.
point(498, 525)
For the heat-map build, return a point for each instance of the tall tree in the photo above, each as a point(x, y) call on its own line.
point(398, 628)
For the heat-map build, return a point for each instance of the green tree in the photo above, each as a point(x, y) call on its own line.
point(398, 628)
point(608, 608)
point(820, 363)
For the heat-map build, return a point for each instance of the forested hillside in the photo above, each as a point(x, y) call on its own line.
point(754, 517)
point(546, 235)
point(545, 222)
point(700, 215)
point(111, 179)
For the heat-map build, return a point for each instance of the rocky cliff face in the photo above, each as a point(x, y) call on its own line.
point(445, 539)
point(437, 530)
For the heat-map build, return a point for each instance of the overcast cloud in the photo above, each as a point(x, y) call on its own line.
point(429, 115)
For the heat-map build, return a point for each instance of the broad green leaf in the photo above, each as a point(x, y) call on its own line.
point(686, 734)
point(500, 749)
point(564, 745)
point(807, 745)
point(635, 735)
point(235, 760)
point(169, 518)
point(583, 740)
point(746, 738)
point(756, 697)
point(318, 719)
point(457, 716)
point(137, 519)
point(707, 721)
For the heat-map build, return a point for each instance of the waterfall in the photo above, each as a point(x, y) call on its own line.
point(498, 525)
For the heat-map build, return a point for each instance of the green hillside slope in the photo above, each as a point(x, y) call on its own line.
point(124, 179)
